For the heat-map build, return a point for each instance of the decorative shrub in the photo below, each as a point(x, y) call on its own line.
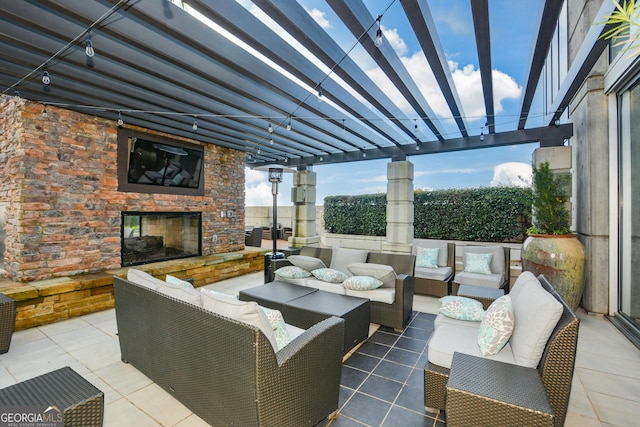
point(493, 214)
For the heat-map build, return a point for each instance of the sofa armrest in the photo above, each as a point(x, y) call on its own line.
point(405, 287)
point(307, 375)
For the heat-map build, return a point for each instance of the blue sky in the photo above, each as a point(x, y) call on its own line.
point(511, 25)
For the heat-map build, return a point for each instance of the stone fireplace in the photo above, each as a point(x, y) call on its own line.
point(61, 205)
point(159, 236)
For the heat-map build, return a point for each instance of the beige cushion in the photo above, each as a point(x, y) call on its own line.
point(336, 288)
point(449, 338)
point(384, 295)
point(141, 278)
point(536, 315)
point(525, 278)
point(441, 318)
point(440, 273)
point(178, 282)
point(342, 257)
point(443, 254)
point(308, 263)
point(384, 273)
point(243, 311)
point(191, 296)
point(483, 280)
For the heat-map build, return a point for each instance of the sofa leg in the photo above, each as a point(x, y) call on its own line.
point(432, 410)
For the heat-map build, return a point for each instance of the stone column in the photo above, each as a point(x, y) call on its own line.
point(399, 207)
point(304, 210)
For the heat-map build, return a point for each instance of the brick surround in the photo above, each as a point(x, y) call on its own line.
point(59, 200)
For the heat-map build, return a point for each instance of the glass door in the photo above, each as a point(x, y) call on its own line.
point(629, 167)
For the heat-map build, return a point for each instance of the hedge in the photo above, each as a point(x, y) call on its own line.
point(491, 214)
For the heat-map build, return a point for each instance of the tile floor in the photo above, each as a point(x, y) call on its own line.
point(606, 386)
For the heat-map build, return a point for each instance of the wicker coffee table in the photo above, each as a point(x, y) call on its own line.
point(80, 401)
point(303, 307)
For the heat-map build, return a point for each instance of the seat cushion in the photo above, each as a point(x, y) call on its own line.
point(536, 314)
point(383, 295)
point(441, 318)
point(483, 280)
point(439, 273)
point(342, 257)
point(449, 338)
point(336, 288)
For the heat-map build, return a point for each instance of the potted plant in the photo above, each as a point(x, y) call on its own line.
point(551, 248)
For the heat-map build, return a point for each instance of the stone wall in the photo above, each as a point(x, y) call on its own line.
point(62, 207)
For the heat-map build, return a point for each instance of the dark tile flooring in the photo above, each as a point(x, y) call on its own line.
point(382, 383)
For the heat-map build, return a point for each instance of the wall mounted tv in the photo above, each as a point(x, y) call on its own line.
point(152, 164)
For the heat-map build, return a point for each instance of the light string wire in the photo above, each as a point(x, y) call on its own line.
point(106, 15)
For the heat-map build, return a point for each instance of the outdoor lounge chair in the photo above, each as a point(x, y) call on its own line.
point(254, 238)
point(485, 273)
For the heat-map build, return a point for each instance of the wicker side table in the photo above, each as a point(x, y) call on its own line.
point(80, 401)
point(7, 321)
point(484, 392)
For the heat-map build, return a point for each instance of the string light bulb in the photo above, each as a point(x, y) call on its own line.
point(415, 125)
point(289, 124)
point(45, 115)
point(120, 121)
point(418, 146)
point(378, 40)
point(320, 92)
point(270, 128)
point(46, 79)
point(271, 141)
point(286, 159)
point(88, 50)
point(16, 94)
point(482, 135)
point(195, 125)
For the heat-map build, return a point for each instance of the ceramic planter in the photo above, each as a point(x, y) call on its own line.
point(561, 260)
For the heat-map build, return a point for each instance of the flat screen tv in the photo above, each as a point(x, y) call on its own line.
point(151, 164)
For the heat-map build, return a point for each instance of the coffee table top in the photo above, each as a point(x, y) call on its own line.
point(328, 303)
point(278, 291)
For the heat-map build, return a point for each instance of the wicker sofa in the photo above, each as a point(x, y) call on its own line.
point(389, 307)
point(226, 371)
point(554, 370)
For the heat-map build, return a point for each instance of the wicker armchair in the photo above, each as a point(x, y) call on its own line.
point(225, 371)
point(555, 370)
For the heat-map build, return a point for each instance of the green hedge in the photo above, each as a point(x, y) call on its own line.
point(493, 214)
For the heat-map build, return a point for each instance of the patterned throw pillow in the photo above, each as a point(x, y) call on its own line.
point(292, 272)
point(279, 327)
point(361, 283)
point(496, 327)
point(462, 308)
point(329, 275)
point(427, 257)
point(178, 282)
point(478, 263)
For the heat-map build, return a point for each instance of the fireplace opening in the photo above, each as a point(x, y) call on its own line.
point(160, 236)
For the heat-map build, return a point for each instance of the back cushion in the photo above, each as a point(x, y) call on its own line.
point(141, 278)
point(341, 258)
point(536, 314)
point(497, 260)
point(384, 273)
point(525, 278)
point(242, 311)
point(306, 262)
point(443, 254)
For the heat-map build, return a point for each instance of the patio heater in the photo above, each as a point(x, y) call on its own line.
point(275, 177)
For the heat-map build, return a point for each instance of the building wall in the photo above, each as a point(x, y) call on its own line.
point(60, 198)
point(589, 115)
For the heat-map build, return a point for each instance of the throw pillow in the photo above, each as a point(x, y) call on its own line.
point(427, 257)
point(382, 272)
point(292, 272)
point(478, 263)
point(341, 258)
point(178, 282)
point(462, 308)
point(329, 275)
point(496, 327)
point(361, 283)
point(308, 263)
point(279, 327)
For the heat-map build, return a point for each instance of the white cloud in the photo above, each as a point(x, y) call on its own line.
point(257, 188)
point(445, 172)
point(512, 174)
point(320, 18)
point(393, 38)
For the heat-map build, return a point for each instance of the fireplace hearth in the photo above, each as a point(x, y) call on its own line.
point(160, 236)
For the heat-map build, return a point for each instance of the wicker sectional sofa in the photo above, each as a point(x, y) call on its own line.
point(390, 306)
point(226, 371)
point(485, 390)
